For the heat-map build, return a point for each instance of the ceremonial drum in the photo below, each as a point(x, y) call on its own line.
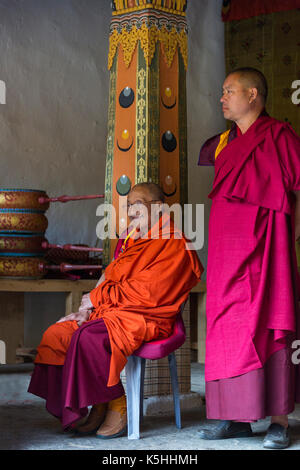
point(21, 212)
point(21, 244)
point(17, 267)
point(22, 221)
point(22, 228)
point(24, 251)
point(23, 199)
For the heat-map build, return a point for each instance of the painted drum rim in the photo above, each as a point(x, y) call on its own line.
point(8, 190)
point(25, 235)
point(17, 234)
point(21, 211)
point(21, 232)
point(20, 254)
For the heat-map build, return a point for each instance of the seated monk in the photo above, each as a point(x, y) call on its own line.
point(80, 358)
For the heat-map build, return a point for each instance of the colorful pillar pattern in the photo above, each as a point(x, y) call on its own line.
point(147, 105)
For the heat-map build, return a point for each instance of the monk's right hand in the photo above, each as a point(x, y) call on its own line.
point(80, 317)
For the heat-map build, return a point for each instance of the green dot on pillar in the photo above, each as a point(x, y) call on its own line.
point(123, 185)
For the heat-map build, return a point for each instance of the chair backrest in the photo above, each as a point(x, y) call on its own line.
point(157, 349)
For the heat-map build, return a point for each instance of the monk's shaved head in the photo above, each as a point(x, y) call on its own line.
point(253, 78)
point(152, 191)
point(144, 203)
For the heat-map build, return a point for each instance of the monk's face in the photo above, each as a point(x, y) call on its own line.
point(236, 99)
point(140, 206)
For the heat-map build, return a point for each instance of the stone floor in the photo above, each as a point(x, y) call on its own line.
point(26, 425)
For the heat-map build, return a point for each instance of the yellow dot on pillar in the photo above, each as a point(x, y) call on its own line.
point(168, 92)
point(125, 134)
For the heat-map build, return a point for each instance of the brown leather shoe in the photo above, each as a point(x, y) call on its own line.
point(115, 425)
point(94, 421)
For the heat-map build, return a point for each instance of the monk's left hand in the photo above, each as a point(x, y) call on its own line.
point(80, 317)
point(86, 303)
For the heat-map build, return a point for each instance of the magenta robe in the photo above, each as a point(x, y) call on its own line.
point(251, 270)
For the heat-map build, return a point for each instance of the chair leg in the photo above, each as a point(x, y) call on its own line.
point(175, 389)
point(143, 366)
point(133, 371)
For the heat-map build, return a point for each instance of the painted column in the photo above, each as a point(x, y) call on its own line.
point(147, 122)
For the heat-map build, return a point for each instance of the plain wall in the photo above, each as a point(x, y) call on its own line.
point(54, 123)
point(205, 79)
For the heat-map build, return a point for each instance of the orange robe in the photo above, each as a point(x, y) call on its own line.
point(138, 301)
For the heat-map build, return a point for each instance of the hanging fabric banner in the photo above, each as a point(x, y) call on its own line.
point(234, 10)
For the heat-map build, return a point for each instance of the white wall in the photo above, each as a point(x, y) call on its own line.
point(53, 126)
point(205, 78)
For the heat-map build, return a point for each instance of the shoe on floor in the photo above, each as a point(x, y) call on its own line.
point(225, 429)
point(115, 423)
point(94, 421)
point(277, 437)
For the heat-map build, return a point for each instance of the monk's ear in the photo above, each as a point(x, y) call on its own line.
point(253, 93)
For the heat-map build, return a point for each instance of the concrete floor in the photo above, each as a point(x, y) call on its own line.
point(26, 425)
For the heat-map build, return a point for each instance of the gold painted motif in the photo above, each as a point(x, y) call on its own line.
point(21, 267)
point(22, 199)
point(141, 120)
point(23, 222)
point(126, 6)
point(148, 37)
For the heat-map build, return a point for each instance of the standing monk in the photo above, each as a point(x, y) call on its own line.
point(80, 358)
point(252, 277)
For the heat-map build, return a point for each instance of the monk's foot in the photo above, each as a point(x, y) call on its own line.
point(115, 423)
point(94, 421)
point(277, 437)
point(225, 429)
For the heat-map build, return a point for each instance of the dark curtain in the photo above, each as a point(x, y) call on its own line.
point(241, 9)
point(270, 43)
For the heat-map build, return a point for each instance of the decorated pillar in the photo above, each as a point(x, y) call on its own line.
point(147, 103)
point(147, 127)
